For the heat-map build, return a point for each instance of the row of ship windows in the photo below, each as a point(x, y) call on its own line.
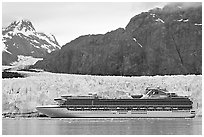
point(120, 110)
point(117, 109)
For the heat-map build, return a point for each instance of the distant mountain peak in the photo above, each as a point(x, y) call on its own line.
point(21, 38)
point(25, 24)
point(21, 25)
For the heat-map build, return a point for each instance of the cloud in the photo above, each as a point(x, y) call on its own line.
point(185, 5)
point(191, 4)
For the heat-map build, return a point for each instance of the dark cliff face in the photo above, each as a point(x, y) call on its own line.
point(114, 53)
point(157, 42)
point(171, 39)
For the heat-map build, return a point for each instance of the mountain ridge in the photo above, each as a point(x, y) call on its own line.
point(165, 41)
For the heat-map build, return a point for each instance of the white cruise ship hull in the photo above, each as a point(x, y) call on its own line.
point(56, 111)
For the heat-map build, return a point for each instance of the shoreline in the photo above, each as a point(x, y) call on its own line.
point(23, 115)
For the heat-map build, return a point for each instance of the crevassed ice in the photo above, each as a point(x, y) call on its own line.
point(25, 60)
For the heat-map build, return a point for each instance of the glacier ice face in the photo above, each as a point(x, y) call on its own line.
point(24, 94)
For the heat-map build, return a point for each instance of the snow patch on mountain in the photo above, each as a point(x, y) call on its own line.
point(36, 46)
point(7, 36)
point(186, 20)
point(159, 20)
point(46, 47)
point(198, 24)
point(180, 20)
point(153, 15)
point(137, 42)
point(26, 33)
point(50, 39)
point(4, 48)
point(179, 7)
point(183, 20)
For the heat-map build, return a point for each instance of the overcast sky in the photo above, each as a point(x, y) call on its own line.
point(68, 21)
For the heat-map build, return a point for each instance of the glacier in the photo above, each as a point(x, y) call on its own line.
point(22, 95)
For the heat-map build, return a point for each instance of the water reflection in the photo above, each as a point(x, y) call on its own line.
point(102, 126)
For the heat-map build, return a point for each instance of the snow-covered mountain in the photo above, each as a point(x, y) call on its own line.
point(21, 39)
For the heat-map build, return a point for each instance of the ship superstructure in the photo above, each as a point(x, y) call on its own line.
point(155, 103)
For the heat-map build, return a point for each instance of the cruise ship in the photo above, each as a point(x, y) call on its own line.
point(155, 103)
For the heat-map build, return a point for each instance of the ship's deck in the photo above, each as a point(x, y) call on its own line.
point(127, 108)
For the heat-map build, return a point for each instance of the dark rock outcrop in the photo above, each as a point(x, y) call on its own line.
point(158, 42)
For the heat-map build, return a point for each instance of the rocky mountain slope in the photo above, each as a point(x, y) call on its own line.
point(157, 42)
point(21, 39)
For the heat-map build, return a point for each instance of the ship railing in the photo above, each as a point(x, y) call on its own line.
point(78, 97)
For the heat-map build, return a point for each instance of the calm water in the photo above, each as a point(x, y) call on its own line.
point(125, 126)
